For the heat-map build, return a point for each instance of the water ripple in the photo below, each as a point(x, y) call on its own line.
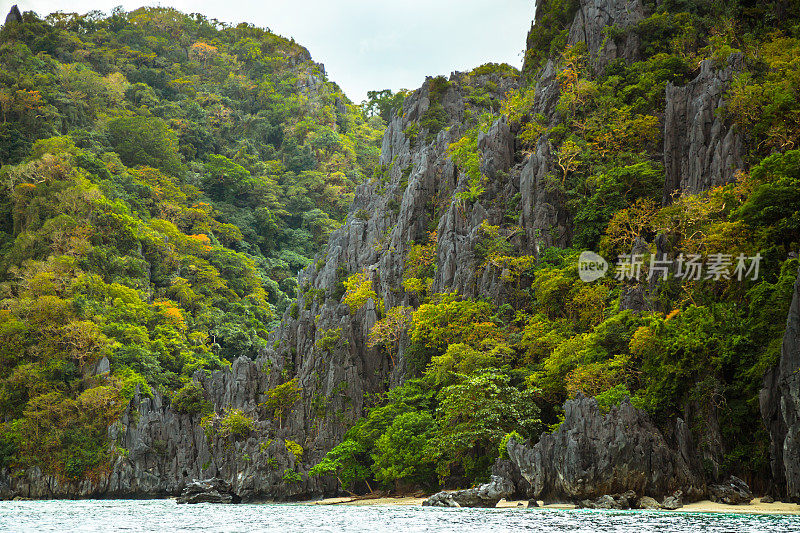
point(166, 515)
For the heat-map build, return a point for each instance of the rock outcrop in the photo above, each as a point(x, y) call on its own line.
point(673, 501)
point(626, 500)
point(507, 469)
point(780, 408)
point(486, 495)
point(592, 455)
point(700, 150)
point(13, 15)
point(212, 490)
point(544, 216)
point(733, 491)
point(166, 450)
point(593, 17)
point(646, 502)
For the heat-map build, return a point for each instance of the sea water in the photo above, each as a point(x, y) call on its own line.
point(167, 516)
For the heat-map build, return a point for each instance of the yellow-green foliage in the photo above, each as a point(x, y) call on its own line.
point(358, 289)
point(280, 399)
point(295, 449)
point(329, 340)
point(233, 424)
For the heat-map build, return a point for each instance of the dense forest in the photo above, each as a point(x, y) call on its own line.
point(165, 177)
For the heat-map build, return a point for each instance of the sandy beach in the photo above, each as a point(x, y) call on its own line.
point(703, 506)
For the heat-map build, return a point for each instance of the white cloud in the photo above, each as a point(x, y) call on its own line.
point(368, 45)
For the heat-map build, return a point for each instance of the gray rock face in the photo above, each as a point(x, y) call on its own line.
point(166, 450)
point(212, 490)
point(507, 469)
point(593, 17)
point(544, 216)
point(700, 150)
point(733, 491)
point(673, 501)
point(13, 15)
point(780, 408)
point(591, 455)
point(487, 495)
point(103, 366)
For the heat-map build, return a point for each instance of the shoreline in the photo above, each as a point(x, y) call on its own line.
point(702, 506)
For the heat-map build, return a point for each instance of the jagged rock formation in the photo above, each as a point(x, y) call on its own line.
point(212, 490)
point(507, 469)
point(733, 491)
point(13, 15)
point(592, 455)
point(544, 217)
point(700, 150)
point(167, 450)
point(486, 495)
point(673, 501)
point(780, 408)
point(593, 17)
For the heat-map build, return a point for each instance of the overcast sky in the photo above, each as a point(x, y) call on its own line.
point(365, 45)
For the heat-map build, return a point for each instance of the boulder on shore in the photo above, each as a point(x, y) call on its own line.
point(486, 495)
point(212, 490)
point(646, 502)
point(673, 501)
point(733, 491)
point(626, 500)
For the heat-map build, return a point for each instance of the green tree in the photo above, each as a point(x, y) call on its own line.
point(145, 141)
point(401, 454)
point(280, 400)
point(472, 418)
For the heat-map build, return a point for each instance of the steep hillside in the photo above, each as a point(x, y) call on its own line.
point(164, 179)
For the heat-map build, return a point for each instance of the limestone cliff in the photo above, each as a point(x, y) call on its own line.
point(700, 150)
point(780, 408)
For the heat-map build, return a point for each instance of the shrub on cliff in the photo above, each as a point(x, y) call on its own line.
point(190, 399)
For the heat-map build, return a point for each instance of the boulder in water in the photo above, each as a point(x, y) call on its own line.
point(212, 490)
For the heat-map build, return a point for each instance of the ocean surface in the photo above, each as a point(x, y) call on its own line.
point(167, 516)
